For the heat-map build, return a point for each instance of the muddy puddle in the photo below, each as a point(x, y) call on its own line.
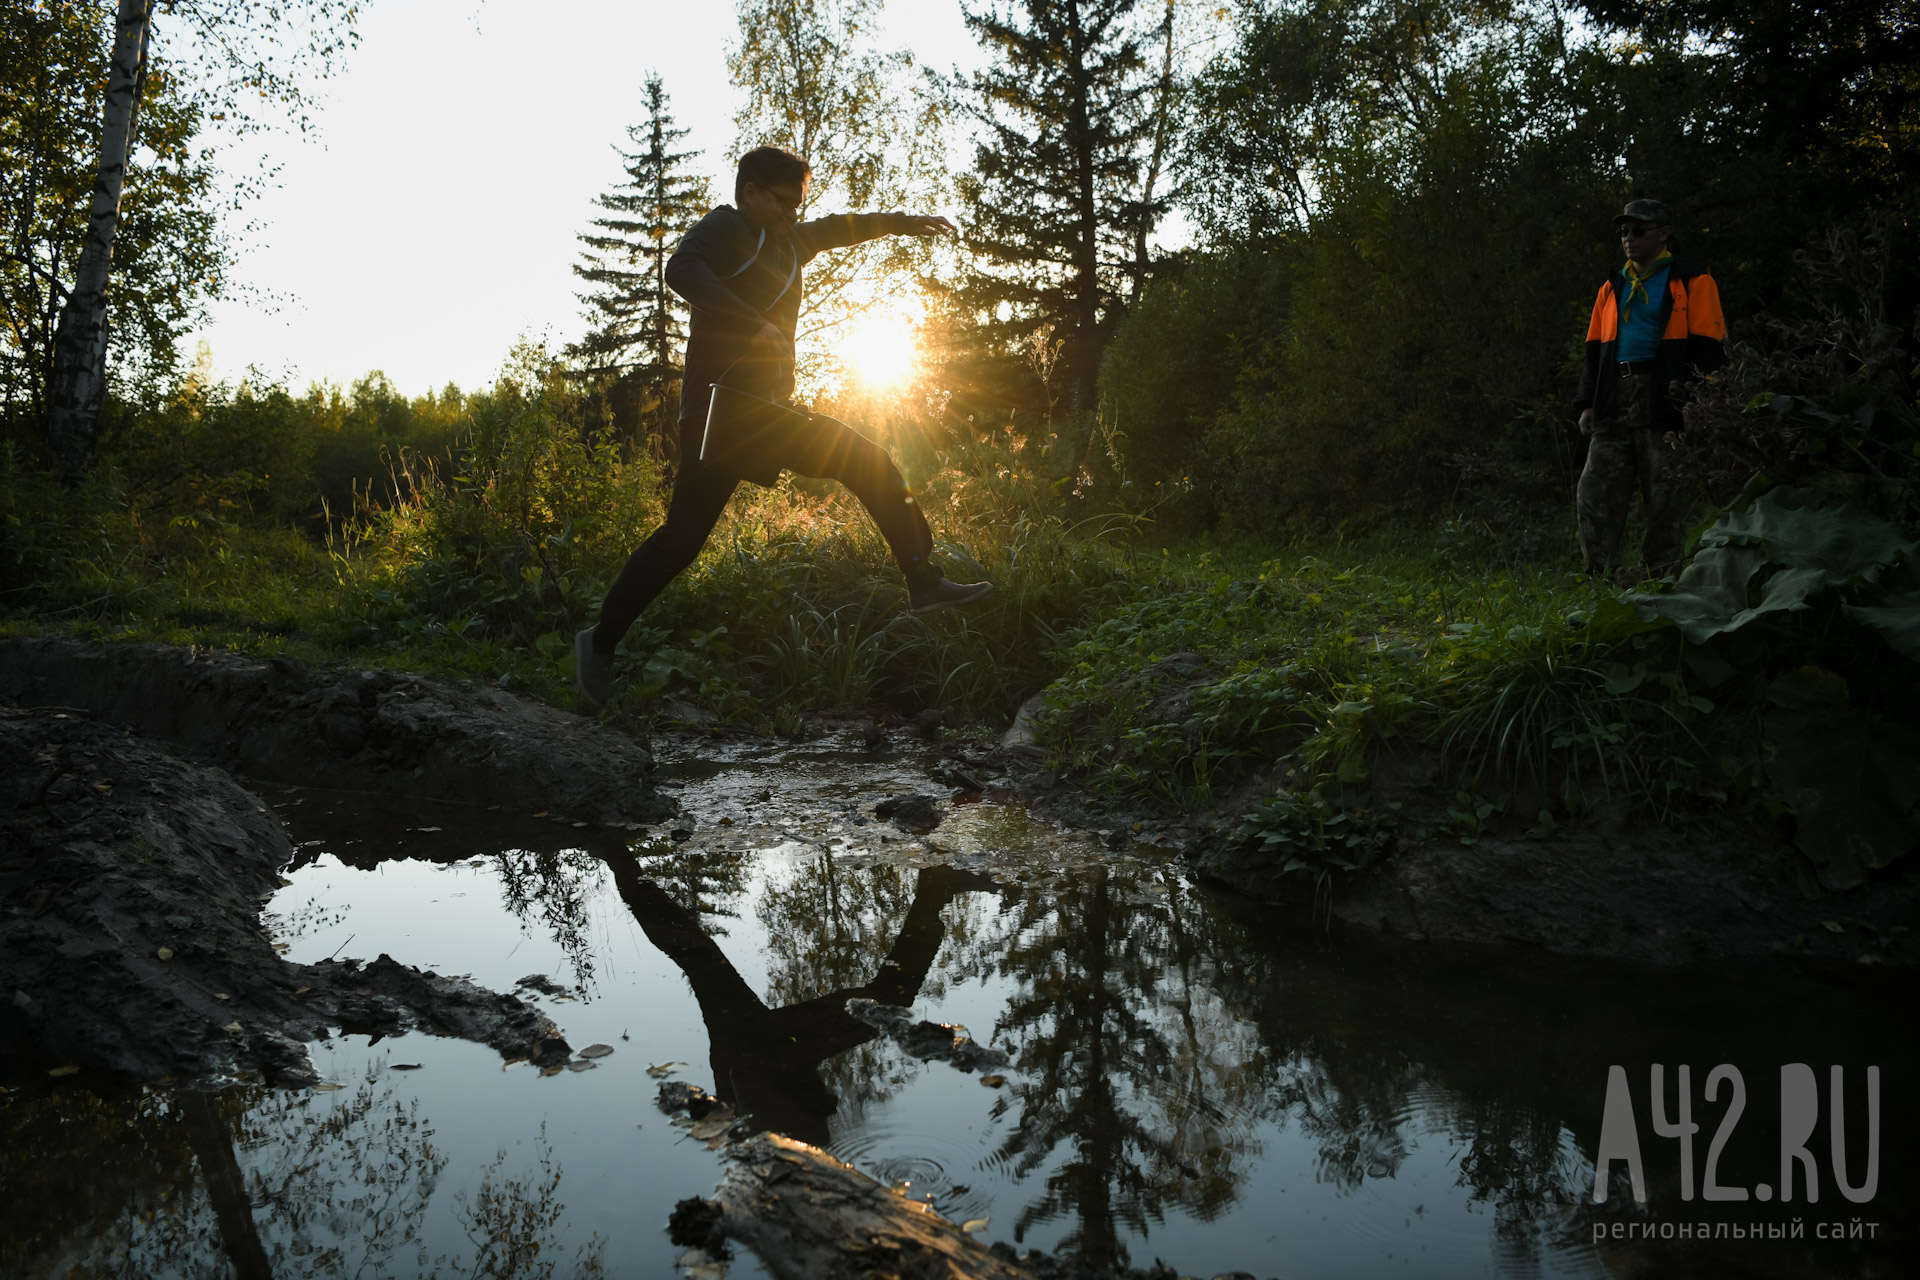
point(1190, 1079)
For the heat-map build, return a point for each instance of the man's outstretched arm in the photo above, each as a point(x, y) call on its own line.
point(837, 231)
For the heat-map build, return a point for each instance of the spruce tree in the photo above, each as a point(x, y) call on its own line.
point(637, 323)
point(1056, 192)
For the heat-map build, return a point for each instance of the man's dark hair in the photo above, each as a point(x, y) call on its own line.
point(766, 166)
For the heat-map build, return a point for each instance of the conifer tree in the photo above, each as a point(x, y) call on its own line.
point(1056, 193)
point(637, 323)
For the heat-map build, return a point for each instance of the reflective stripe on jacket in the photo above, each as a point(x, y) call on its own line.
point(736, 278)
point(1691, 330)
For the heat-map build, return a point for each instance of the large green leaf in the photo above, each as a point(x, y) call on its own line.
point(1711, 596)
point(1804, 529)
point(1815, 541)
point(1853, 785)
point(1896, 617)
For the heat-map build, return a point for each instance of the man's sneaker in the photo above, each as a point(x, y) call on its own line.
point(592, 672)
point(943, 594)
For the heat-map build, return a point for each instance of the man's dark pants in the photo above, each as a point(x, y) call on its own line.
point(1625, 452)
point(813, 445)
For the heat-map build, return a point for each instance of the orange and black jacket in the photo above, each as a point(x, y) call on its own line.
point(1691, 330)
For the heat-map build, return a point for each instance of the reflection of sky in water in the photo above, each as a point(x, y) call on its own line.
point(1217, 1088)
point(798, 923)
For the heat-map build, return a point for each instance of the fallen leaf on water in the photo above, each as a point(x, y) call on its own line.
point(328, 1088)
point(406, 1066)
point(1833, 926)
point(681, 1122)
point(281, 946)
point(715, 1144)
point(231, 1026)
point(300, 991)
point(581, 1065)
point(579, 824)
point(63, 1071)
point(972, 1225)
point(221, 995)
point(993, 1082)
point(552, 1071)
point(596, 1051)
point(365, 991)
point(541, 814)
point(664, 1069)
point(726, 822)
point(715, 1123)
point(165, 953)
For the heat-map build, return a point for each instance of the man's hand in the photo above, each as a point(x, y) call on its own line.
point(930, 224)
point(1586, 422)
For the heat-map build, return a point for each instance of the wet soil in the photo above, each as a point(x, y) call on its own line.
point(1607, 886)
point(131, 884)
point(375, 731)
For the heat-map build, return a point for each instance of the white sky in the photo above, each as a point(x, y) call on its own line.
point(432, 220)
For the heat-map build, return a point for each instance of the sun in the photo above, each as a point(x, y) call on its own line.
point(880, 352)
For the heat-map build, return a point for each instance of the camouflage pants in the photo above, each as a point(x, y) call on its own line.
point(1625, 453)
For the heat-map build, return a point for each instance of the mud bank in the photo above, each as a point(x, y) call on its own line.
point(279, 720)
point(1607, 887)
point(130, 890)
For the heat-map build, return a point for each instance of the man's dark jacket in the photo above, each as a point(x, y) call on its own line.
point(1691, 330)
point(737, 278)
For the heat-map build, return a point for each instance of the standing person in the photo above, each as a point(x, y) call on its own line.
point(1656, 326)
point(739, 270)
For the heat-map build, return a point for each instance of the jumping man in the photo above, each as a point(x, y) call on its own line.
point(739, 270)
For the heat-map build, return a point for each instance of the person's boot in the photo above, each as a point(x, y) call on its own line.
point(944, 594)
point(592, 672)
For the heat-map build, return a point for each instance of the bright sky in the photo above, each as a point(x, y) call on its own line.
point(432, 221)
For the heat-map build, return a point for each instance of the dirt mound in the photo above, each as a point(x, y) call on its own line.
point(278, 719)
point(130, 938)
point(1617, 890)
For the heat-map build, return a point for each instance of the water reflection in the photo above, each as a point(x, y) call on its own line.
point(1189, 1078)
point(766, 1059)
point(259, 1183)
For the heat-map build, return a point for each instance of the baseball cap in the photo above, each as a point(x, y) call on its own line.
point(1652, 212)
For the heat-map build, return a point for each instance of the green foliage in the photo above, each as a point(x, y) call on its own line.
point(637, 326)
point(1310, 834)
point(1839, 762)
point(168, 253)
point(1053, 201)
point(1776, 554)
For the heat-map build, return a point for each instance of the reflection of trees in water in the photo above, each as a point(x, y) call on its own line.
point(1139, 1087)
point(252, 1182)
point(513, 1224)
point(555, 886)
point(1154, 1034)
point(829, 928)
point(706, 882)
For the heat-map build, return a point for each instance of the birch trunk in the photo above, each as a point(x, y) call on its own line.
point(80, 341)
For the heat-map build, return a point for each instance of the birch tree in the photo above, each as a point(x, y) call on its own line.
point(239, 53)
point(817, 84)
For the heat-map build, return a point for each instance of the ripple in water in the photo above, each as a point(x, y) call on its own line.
point(953, 1173)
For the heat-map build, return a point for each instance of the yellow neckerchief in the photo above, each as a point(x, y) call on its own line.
point(1637, 282)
